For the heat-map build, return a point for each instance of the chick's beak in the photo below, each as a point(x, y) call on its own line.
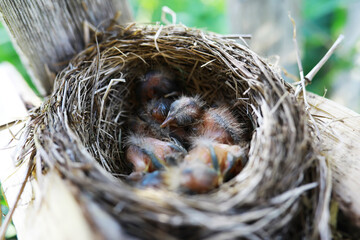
point(169, 119)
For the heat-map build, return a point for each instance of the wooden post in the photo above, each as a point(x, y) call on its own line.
point(268, 23)
point(339, 142)
point(48, 33)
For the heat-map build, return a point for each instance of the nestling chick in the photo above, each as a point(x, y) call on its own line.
point(191, 177)
point(148, 154)
point(225, 159)
point(151, 116)
point(184, 112)
point(156, 84)
point(213, 159)
point(221, 125)
point(216, 123)
point(144, 125)
point(158, 109)
point(154, 179)
point(198, 177)
point(205, 167)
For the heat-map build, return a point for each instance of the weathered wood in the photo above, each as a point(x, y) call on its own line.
point(49, 32)
point(11, 108)
point(268, 23)
point(45, 206)
point(339, 141)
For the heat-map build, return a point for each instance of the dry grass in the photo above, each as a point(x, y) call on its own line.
point(80, 129)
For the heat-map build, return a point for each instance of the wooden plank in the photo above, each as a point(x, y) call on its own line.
point(53, 212)
point(340, 135)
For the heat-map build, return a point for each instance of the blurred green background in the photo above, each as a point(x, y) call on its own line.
point(318, 22)
point(205, 14)
point(11, 232)
point(8, 54)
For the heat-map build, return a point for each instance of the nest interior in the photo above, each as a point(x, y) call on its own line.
point(79, 131)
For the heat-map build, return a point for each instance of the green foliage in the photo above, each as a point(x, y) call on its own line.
point(8, 54)
point(323, 22)
point(3, 203)
point(206, 14)
point(11, 231)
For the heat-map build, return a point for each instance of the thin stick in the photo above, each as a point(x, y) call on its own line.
point(9, 124)
point(318, 66)
point(302, 78)
point(12, 210)
point(87, 26)
point(192, 71)
point(279, 102)
point(156, 37)
point(298, 59)
point(291, 76)
point(322, 214)
point(236, 36)
point(166, 10)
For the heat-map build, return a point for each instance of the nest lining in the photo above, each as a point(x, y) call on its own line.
point(83, 124)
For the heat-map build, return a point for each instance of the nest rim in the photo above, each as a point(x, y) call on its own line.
point(270, 108)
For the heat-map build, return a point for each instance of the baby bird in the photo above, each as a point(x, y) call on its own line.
point(220, 125)
point(156, 84)
point(216, 123)
point(218, 163)
point(184, 112)
point(214, 157)
point(191, 177)
point(148, 154)
point(157, 109)
point(205, 167)
point(151, 116)
point(197, 177)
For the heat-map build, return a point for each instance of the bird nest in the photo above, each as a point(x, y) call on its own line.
point(80, 130)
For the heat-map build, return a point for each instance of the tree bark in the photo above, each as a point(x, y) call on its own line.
point(48, 33)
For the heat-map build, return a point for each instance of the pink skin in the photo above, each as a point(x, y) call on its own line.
point(198, 178)
point(199, 174)
point(141, 161)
